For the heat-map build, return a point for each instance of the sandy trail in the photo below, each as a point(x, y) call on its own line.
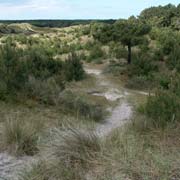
point(121, 113)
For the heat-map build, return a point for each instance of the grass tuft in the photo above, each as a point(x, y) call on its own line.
point(69, 155)
point(20, 136)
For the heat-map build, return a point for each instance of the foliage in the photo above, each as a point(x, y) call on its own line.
point(95, 53)
point(35, 73)
point(118, 51)
point(73, 68)
point(162, 16)
point(173, 60)
point(168, 40)
point(41, 64)
point(143, 65)
point(13, 71)
point(163, 108)
point(129, 32)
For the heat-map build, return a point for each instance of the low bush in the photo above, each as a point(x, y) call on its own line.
point(118, 51)
point(34, 72)
point(142, 65)
point(73, 68)
point(158, 55)
point(40, 63)
point(13, 71)
point(173, 60)
point(168, 41)
point(142, 71)
point(163, 107)
point(163, 80)
point(95, 53)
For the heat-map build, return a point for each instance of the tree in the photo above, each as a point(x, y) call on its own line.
point(129, 32)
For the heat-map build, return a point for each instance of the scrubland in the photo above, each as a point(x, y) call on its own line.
point(57, 85)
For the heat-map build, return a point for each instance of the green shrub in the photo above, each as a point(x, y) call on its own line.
point(73, 68)
point(118, 51)
point(142, 65)
point(163, 80)
point(40, 63)
point(89, 45)
point(95, 53)
point(13, 71)
point(168, 41)
point(154, 34)
point(86, 30)
point(173, 60)
point(163, 108)
point(17, 67)
point(158, 55)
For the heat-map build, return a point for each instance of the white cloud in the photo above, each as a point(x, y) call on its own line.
point(32, 8)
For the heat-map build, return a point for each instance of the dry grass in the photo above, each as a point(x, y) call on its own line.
point(140, 155)
point(67, 155)
point(20, 136)
point(130, 154)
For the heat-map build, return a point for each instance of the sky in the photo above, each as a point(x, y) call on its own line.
point(75, 9)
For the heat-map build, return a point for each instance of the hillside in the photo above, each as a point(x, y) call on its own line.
point(16, 28)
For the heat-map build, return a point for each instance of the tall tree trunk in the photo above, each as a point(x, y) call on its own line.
point(129, 53)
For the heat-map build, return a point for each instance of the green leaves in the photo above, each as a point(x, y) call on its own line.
point(129, 31)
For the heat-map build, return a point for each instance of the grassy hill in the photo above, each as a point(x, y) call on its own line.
point(16, 28)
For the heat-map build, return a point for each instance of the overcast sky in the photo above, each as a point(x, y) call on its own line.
point(75, 9)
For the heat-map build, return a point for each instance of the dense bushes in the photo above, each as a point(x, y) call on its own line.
point(118, 51)
point(73, 69)
point(164, 106)
point(13, 71)
point(173, 60)
point(141, 71)
point(18, 67)
point(143, 65)
point(96, 53)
